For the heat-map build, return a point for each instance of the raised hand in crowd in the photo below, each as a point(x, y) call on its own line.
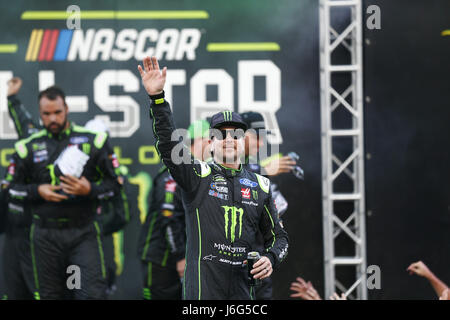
point(14, 86)
point(422, 270)
point(304, 290)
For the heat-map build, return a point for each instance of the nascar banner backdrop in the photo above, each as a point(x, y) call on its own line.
point(234, 55)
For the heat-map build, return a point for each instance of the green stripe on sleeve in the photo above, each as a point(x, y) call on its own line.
point(149, 235)
point(100, 250)
point(271, 230)
point(33, 258)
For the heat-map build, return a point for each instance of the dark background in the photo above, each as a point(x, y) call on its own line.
point(405, 75)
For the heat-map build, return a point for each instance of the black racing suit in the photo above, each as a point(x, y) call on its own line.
point(23, 122)
point(16, 219)
point(162, 240)
point(264, 290)
point(64, 233)
point(16, 257)
point(113, 213)
point(224, 210)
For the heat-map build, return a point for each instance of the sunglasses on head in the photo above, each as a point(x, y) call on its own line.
point(221, 134)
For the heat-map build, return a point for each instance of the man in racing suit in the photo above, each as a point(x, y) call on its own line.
point(254, 140)
point(162, 240)
point(163, 235)
point(225, 204)
point(16, 218)
point(114, 213)
point(63, 232)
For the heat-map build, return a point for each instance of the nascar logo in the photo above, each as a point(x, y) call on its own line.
point(105, 44)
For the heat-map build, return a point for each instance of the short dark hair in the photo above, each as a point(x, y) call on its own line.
point(52, 93)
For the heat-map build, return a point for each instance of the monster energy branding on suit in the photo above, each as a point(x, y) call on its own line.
point(233, 211)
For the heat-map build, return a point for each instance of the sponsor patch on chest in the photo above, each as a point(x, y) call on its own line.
point(217, 194)
point(219, 179)
point(40, 155)
point(219, 188)
point(39, 146)
point(245, 192)
point(171, 185)
point(11, 168)
point(248, 182)
point(79, 140)
point(114, 160)
point(250, 203)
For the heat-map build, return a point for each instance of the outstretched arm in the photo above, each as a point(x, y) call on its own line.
point(185, 172)
point(23, 121)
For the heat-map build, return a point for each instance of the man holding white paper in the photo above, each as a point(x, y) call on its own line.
point(61, 171)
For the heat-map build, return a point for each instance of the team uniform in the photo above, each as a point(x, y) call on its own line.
point(16, 220)
point(64, 233)
point(224, 210)
point(255, 121)
point(16, 266)
point(264, 290)
point(162, 240)
point(112, 214)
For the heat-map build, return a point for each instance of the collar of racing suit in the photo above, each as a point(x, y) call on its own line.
point(63, 134)
point(228, 172)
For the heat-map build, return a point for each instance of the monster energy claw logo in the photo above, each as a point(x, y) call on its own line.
point(227, 115)
point(233, 211)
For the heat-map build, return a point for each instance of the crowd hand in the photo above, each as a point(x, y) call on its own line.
point(47, 192)
point(14, 86)
point(180, 267)
point(445, 295)
point(419, 268)
point(335, 296)
point(304, 290)
point(153, 79)
point(75, 186)
point(262, 268)
point(280, 165)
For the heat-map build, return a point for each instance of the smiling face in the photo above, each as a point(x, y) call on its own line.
point(228, 150)
point(53, 114)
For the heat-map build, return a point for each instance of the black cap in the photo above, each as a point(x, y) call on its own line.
point(227, 118)
point(254, 120)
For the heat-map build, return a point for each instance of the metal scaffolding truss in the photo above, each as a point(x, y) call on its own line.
point(342, 149)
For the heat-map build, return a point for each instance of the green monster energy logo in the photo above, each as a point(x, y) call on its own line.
point(86, 148)
point(169, 197)
point(227, 115)
point(233, 211)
